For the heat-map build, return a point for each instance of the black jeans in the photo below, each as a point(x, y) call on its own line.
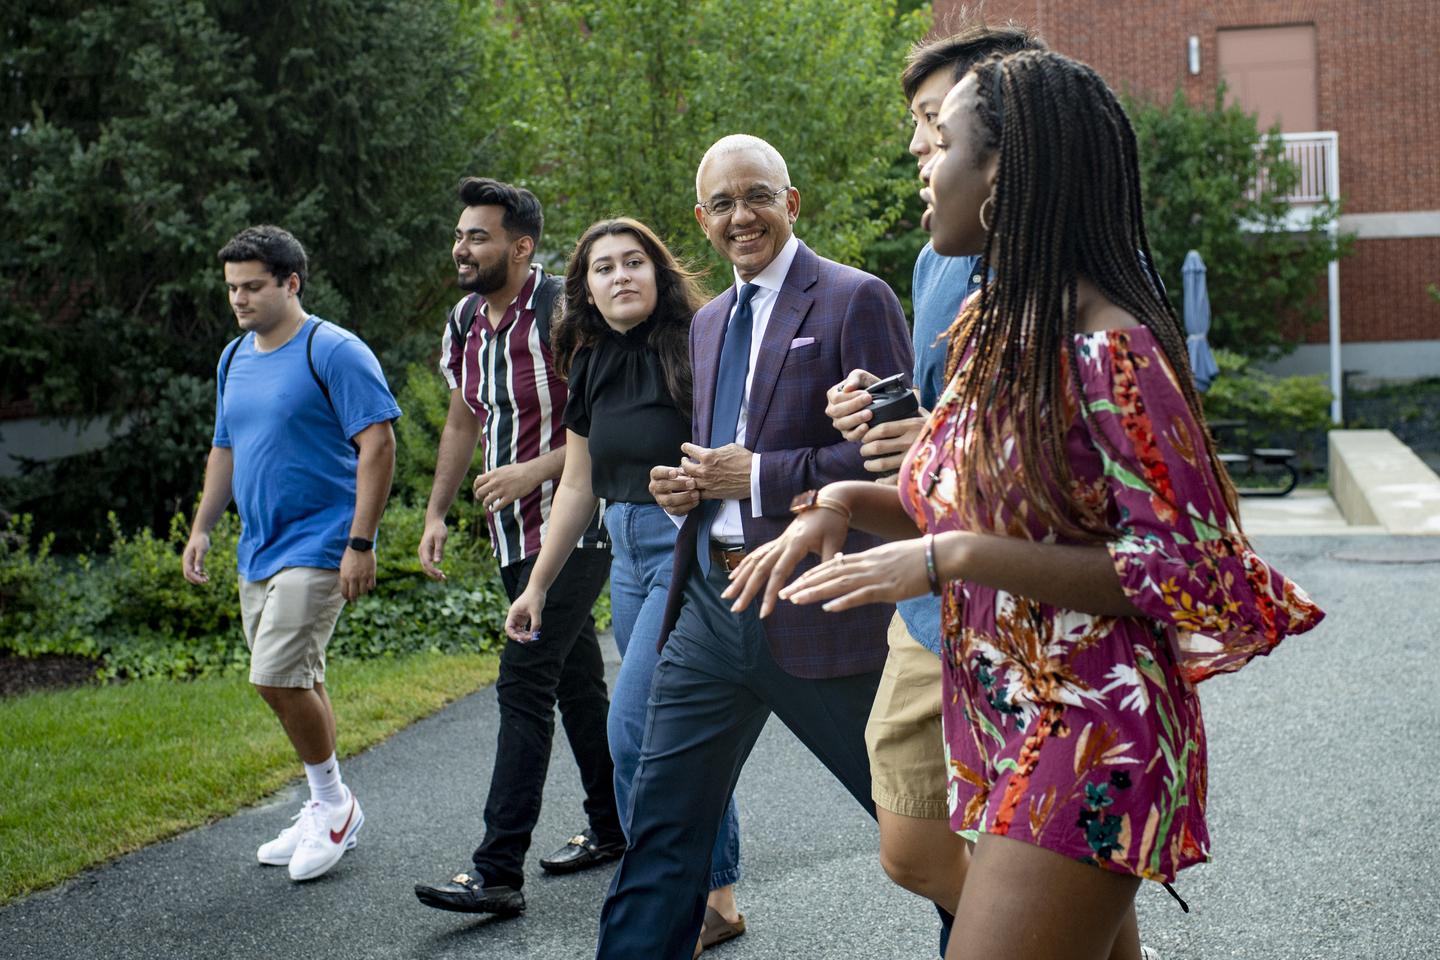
point(563, 666)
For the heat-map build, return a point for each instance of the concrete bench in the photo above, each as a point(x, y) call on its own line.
point(1378, 481)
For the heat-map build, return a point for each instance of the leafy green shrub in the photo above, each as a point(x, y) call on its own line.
point(1292, 412)
point(1265, 401)
point(425, 398)
point(138, 617)
point(131, 611)
point(43, 606)
point(23, 574)
point(601, 611)
point(149, 596)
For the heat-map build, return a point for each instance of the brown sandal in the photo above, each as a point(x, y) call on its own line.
point(716, 930)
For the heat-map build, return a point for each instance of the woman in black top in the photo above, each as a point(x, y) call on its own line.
point(623, 343)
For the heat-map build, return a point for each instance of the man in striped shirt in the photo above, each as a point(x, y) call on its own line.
point(504, 393)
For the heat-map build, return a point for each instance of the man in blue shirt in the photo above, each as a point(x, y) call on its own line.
point(906, 745)
point(303, 442)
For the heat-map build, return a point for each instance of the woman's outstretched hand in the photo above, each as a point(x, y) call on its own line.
point(767, 568)
point(523, 622)
point(884, 574)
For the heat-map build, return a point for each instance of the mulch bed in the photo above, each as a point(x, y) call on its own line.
point(46, 672)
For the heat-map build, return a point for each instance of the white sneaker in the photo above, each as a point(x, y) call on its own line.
point(277, 852)
point(1149, 953)
point(325, 834)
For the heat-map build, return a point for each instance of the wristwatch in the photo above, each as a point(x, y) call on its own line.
point(804, 501)
point(360, 544)
point(811, 500)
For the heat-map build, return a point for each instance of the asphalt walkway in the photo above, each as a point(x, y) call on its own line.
point(1324, 778)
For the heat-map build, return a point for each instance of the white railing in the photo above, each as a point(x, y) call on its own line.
point(1317, 157)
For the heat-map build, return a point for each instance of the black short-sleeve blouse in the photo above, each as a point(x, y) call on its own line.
point(619, 402)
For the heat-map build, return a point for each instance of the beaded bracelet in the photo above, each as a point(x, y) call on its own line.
point(930, 570)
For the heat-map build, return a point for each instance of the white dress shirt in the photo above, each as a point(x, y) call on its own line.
point(728, 527)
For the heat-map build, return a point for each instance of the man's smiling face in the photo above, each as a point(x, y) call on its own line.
point(747, 237)
point(482, 249)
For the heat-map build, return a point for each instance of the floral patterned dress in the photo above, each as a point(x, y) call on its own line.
point(1079, 733)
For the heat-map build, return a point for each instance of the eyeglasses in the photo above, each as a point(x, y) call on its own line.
point(754, 200)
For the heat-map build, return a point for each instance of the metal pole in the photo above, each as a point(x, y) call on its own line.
point(1336, 377)
point(1337, 385)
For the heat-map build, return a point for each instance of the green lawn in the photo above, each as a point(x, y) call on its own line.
point(88, 774)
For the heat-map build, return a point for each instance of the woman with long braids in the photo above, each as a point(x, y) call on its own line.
point(623, 343)
point(1067, 502)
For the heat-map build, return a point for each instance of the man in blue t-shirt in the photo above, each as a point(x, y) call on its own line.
point(904, 737)
point(303, 442)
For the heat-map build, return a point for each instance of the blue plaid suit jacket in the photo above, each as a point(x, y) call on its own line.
point(853, 320)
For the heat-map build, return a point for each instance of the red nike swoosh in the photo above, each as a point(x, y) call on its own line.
point(337, 835)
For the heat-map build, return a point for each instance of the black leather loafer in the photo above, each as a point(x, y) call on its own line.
point(465, 894)
point(581, 852)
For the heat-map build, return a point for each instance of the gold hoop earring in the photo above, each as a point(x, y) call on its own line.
point(989, 202)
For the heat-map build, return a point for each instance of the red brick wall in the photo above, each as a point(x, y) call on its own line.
point(1383, 289)
point(1379, 88)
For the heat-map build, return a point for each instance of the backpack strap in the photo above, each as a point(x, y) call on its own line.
point(551, 289)
point(229, 359)
point(319, 381)
point(462, 318)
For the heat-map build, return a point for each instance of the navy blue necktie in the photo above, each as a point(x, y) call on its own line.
point(729, 397)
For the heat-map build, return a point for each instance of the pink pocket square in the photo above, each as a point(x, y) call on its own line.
point(801, 342)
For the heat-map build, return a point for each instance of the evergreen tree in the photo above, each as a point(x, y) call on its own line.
point(142, 135)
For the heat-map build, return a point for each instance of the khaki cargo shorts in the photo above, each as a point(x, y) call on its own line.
point(904, 736)
point(288, 620)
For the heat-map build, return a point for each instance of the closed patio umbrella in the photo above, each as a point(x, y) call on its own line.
point(1197, 321)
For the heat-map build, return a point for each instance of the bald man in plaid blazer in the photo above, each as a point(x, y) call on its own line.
point(792, 325)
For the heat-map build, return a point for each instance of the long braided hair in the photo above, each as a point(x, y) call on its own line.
point(1066, 204)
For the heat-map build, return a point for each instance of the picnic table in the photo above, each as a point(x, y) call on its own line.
point(1258, 459)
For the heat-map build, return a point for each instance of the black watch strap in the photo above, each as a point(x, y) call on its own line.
point(361, 544)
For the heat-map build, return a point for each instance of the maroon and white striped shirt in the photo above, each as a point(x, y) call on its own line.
point(507, 378)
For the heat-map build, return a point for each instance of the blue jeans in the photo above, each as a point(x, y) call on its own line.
point(643, 545)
